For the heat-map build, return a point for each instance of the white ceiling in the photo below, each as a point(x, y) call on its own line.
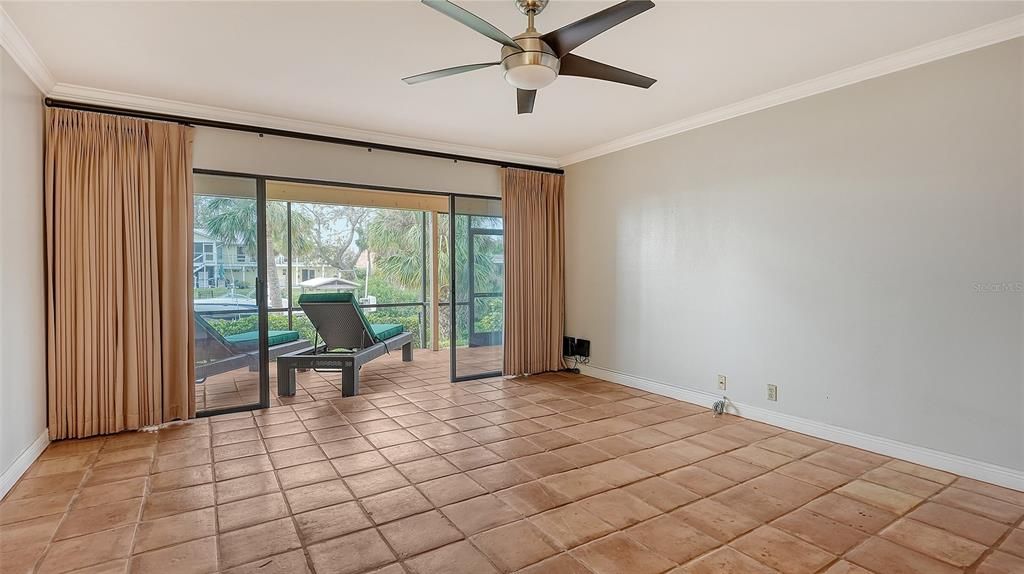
point(340, 63)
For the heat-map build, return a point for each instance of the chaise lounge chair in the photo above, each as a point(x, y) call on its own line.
point(216, 353)
point(349, 342)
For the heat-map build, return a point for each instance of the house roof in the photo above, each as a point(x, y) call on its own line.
point(203, 235)
point(326, 282)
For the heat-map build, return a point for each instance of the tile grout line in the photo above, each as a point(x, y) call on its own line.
point(465, 537)
point(537, 479)
point(899, 517)
point(216, 496)
point(295, 524)
point(434, 507)
point(362, 508)
point(373, 524)
point(67, 510)
point(994, 547)
point(904, 515)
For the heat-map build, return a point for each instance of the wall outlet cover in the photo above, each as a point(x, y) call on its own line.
point(721, 382)
point(773, 392)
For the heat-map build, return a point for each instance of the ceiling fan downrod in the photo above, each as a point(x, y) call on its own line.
point(531, 8)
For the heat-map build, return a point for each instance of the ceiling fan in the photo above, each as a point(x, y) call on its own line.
point(533, 60)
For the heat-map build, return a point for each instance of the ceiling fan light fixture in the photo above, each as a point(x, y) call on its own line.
point(530, 76)
point(531, 69)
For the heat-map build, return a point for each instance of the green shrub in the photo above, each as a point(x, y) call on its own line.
point(406, 316)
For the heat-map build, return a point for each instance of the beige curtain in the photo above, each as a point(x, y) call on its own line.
point(533, 206)
point(118, 269)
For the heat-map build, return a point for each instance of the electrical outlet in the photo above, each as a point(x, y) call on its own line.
point(721, 382)
point(773, 392)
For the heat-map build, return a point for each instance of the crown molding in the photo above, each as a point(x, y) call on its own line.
point(109, 98)
point(23, 54)
point(12, 40)
point(26, 57)
point(987, 35)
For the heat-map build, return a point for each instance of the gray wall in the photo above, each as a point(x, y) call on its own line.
point(22, 292)
point(248, 153)
point(863, 249)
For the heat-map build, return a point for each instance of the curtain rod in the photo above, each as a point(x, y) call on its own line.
point(69, 105)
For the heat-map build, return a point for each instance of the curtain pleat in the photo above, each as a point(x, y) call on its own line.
point(118, 234)
point(533, 206)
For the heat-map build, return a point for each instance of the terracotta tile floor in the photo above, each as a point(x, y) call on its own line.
point(554, 473)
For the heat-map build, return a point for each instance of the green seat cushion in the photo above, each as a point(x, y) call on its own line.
point(273, 338)
point(386, 331)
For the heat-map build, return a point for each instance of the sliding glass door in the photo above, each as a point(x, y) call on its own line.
point(227, 280)
point(478, 280)
point(433, 263)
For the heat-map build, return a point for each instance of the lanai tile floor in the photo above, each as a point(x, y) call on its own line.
point(549, 474)
point(241, 386)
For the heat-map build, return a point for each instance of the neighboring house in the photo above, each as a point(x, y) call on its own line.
point(204, 259)
point(218, 264)
point(327, 284)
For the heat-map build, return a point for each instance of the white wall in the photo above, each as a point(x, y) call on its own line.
point(863, 249)
point(22, 291)
point(269, 155)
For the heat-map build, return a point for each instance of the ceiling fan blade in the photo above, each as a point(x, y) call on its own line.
point(525, 99)
point(463, 16)
point(437, 74)
point(573, 65)
point(569, 37)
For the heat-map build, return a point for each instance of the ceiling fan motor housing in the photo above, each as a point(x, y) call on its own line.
point(531, 6)
point(534, 67)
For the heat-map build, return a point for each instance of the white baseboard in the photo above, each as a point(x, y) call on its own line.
point(987, 472)
point(20, 465)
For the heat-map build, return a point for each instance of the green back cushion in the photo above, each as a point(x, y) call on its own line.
point(379, 332)
point(342, 297)
point(273, 338)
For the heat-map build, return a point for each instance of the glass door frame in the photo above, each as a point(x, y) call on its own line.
point(261, 291)
point(263, 327)
point(453, 302)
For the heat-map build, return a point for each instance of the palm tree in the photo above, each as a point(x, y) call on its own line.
point(233, 221)
point(396, 242)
